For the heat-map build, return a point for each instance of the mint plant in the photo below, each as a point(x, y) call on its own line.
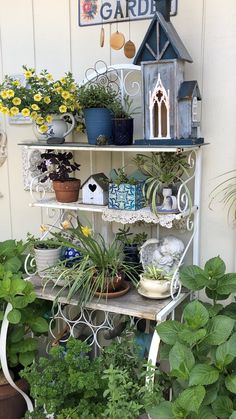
point(202, 350)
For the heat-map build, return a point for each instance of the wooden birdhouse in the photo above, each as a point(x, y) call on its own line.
point(95, 190)
point(170, 104)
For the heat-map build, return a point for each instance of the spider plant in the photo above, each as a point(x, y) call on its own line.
point(225, 192)
point(100, 269)
point(161, 170)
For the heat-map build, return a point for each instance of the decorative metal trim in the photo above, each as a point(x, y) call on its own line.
point(31, 158)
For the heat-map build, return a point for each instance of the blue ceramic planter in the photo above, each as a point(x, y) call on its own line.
point(98, 121)
point(126, 196)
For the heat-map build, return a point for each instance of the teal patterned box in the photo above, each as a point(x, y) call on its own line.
point(125, 196)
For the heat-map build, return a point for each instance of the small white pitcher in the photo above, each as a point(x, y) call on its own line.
point(170, 201)
point(57, 128)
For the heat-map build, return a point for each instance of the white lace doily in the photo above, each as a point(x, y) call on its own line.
point(144, 214)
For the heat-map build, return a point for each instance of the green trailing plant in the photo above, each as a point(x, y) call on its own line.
point(12, 255)
point(119, 177)
point(33, 242)
point(96, 96)
point(127, 238)
point(124, 110)
point(202, 349)
point(225, 192)
point(161, 170)
point(75, 386)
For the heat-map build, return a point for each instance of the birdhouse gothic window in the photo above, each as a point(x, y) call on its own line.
point(194, 109)
point(159, 106)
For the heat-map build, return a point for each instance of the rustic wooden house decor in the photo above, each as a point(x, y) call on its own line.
point(95, 190)
point(170, 104)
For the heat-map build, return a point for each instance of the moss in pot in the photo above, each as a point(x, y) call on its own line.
point(58, 167)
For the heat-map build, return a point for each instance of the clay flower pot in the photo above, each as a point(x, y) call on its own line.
point(67, 191)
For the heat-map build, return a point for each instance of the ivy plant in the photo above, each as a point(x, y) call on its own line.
point(202, 349)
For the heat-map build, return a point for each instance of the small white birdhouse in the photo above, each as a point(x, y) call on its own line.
point(95, 190)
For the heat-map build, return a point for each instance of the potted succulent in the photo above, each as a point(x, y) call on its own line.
point(25, 317)
point(58, 167)
point(50, 103)
point(125, 192)
point(155, 283)
point(46, 252)
point(96, 101)
point(123, 121)
point(162, 170)
point(100, 270)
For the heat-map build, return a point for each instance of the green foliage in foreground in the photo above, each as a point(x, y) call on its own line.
point(202, 350)
point(70, 385)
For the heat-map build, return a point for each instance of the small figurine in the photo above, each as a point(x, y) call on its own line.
point(101, 140)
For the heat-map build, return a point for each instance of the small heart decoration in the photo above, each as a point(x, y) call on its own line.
point(92, 187)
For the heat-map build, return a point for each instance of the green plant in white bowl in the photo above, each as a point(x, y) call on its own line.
point(155, 283)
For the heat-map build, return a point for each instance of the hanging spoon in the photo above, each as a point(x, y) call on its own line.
point(117, 39)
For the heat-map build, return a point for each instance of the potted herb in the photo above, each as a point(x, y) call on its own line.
point(201, 349)
point(155, 283)
point(58, 167)
point(25, 317)
point(125, 192)
point(46, 252)
point(95, 101)
point(123, 121)
point(162, 170)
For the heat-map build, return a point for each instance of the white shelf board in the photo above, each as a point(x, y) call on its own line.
point(88, 147)
point(53, 203)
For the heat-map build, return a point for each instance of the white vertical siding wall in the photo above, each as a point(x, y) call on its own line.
point(45, 34)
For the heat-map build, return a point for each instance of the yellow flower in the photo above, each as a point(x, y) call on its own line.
point(43, 228)
point(10, 93)
point(25, 112)
point(62, 108)
point(38, 97)
point(5, 110)
point(40, 120)
point(43, 128)
point(63, 80)
point(35, 107)
point(47, 100)
point(16, 101)
point(49, 77)
point(65, 94)
point(28, 74)
point(16, 83)
point(59, 89)
point(72, 87)
point(1, 107)
point(34, 115)
point(56, 85)
point(65, 225)
point(14, 111)
point(4, 94)
point(49, 119)
point(86, 231)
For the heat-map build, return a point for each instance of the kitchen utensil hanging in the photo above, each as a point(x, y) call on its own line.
point(129, 47)
point(117, 39)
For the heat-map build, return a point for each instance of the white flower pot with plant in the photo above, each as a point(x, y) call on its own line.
point(155, 283)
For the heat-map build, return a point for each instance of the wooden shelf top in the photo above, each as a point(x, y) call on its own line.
point(130, 304)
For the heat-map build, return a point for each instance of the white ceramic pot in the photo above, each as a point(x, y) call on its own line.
point(46, 258)
point(154, 289)
point(57, 128)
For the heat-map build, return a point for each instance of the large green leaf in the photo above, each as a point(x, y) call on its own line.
point(192, 337)
point(223, 356)
point(7, 248)
point(215, 267)
point(195, 315)
point(26, 345)
point(17, 334)
point(193, 277)
point(211, 393)
point(168, 331)
point(39, 325)
point(219, 329)
point(26, 358)
point(5, 286)
point(213, 310)
point(203, 374)
point(162, 411)
point(232, 345)
point(204, 412)
point(233, 416)
point(191, 398)
point(14, 316)
point(17, 286)
point(230, 383)
point(227, 284)
point(230, 311)
point(222, 407)
point(181, 359)
point(13, 264)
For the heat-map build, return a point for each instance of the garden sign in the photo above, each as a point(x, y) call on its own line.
point(98, 12)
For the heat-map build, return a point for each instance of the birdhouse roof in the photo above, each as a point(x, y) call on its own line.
point(189, 89)
point(161, 42)
point(101, 179)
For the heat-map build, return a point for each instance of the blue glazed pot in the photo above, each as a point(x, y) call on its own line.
point(71, 255)
point(98, 121)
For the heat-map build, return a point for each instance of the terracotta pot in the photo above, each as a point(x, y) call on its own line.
point(114, 284)
point(12, 404)
point(67, 191)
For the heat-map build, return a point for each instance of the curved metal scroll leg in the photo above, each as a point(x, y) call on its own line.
point(3, 358)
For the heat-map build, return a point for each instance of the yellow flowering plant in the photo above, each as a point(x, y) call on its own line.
point(40, 97)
